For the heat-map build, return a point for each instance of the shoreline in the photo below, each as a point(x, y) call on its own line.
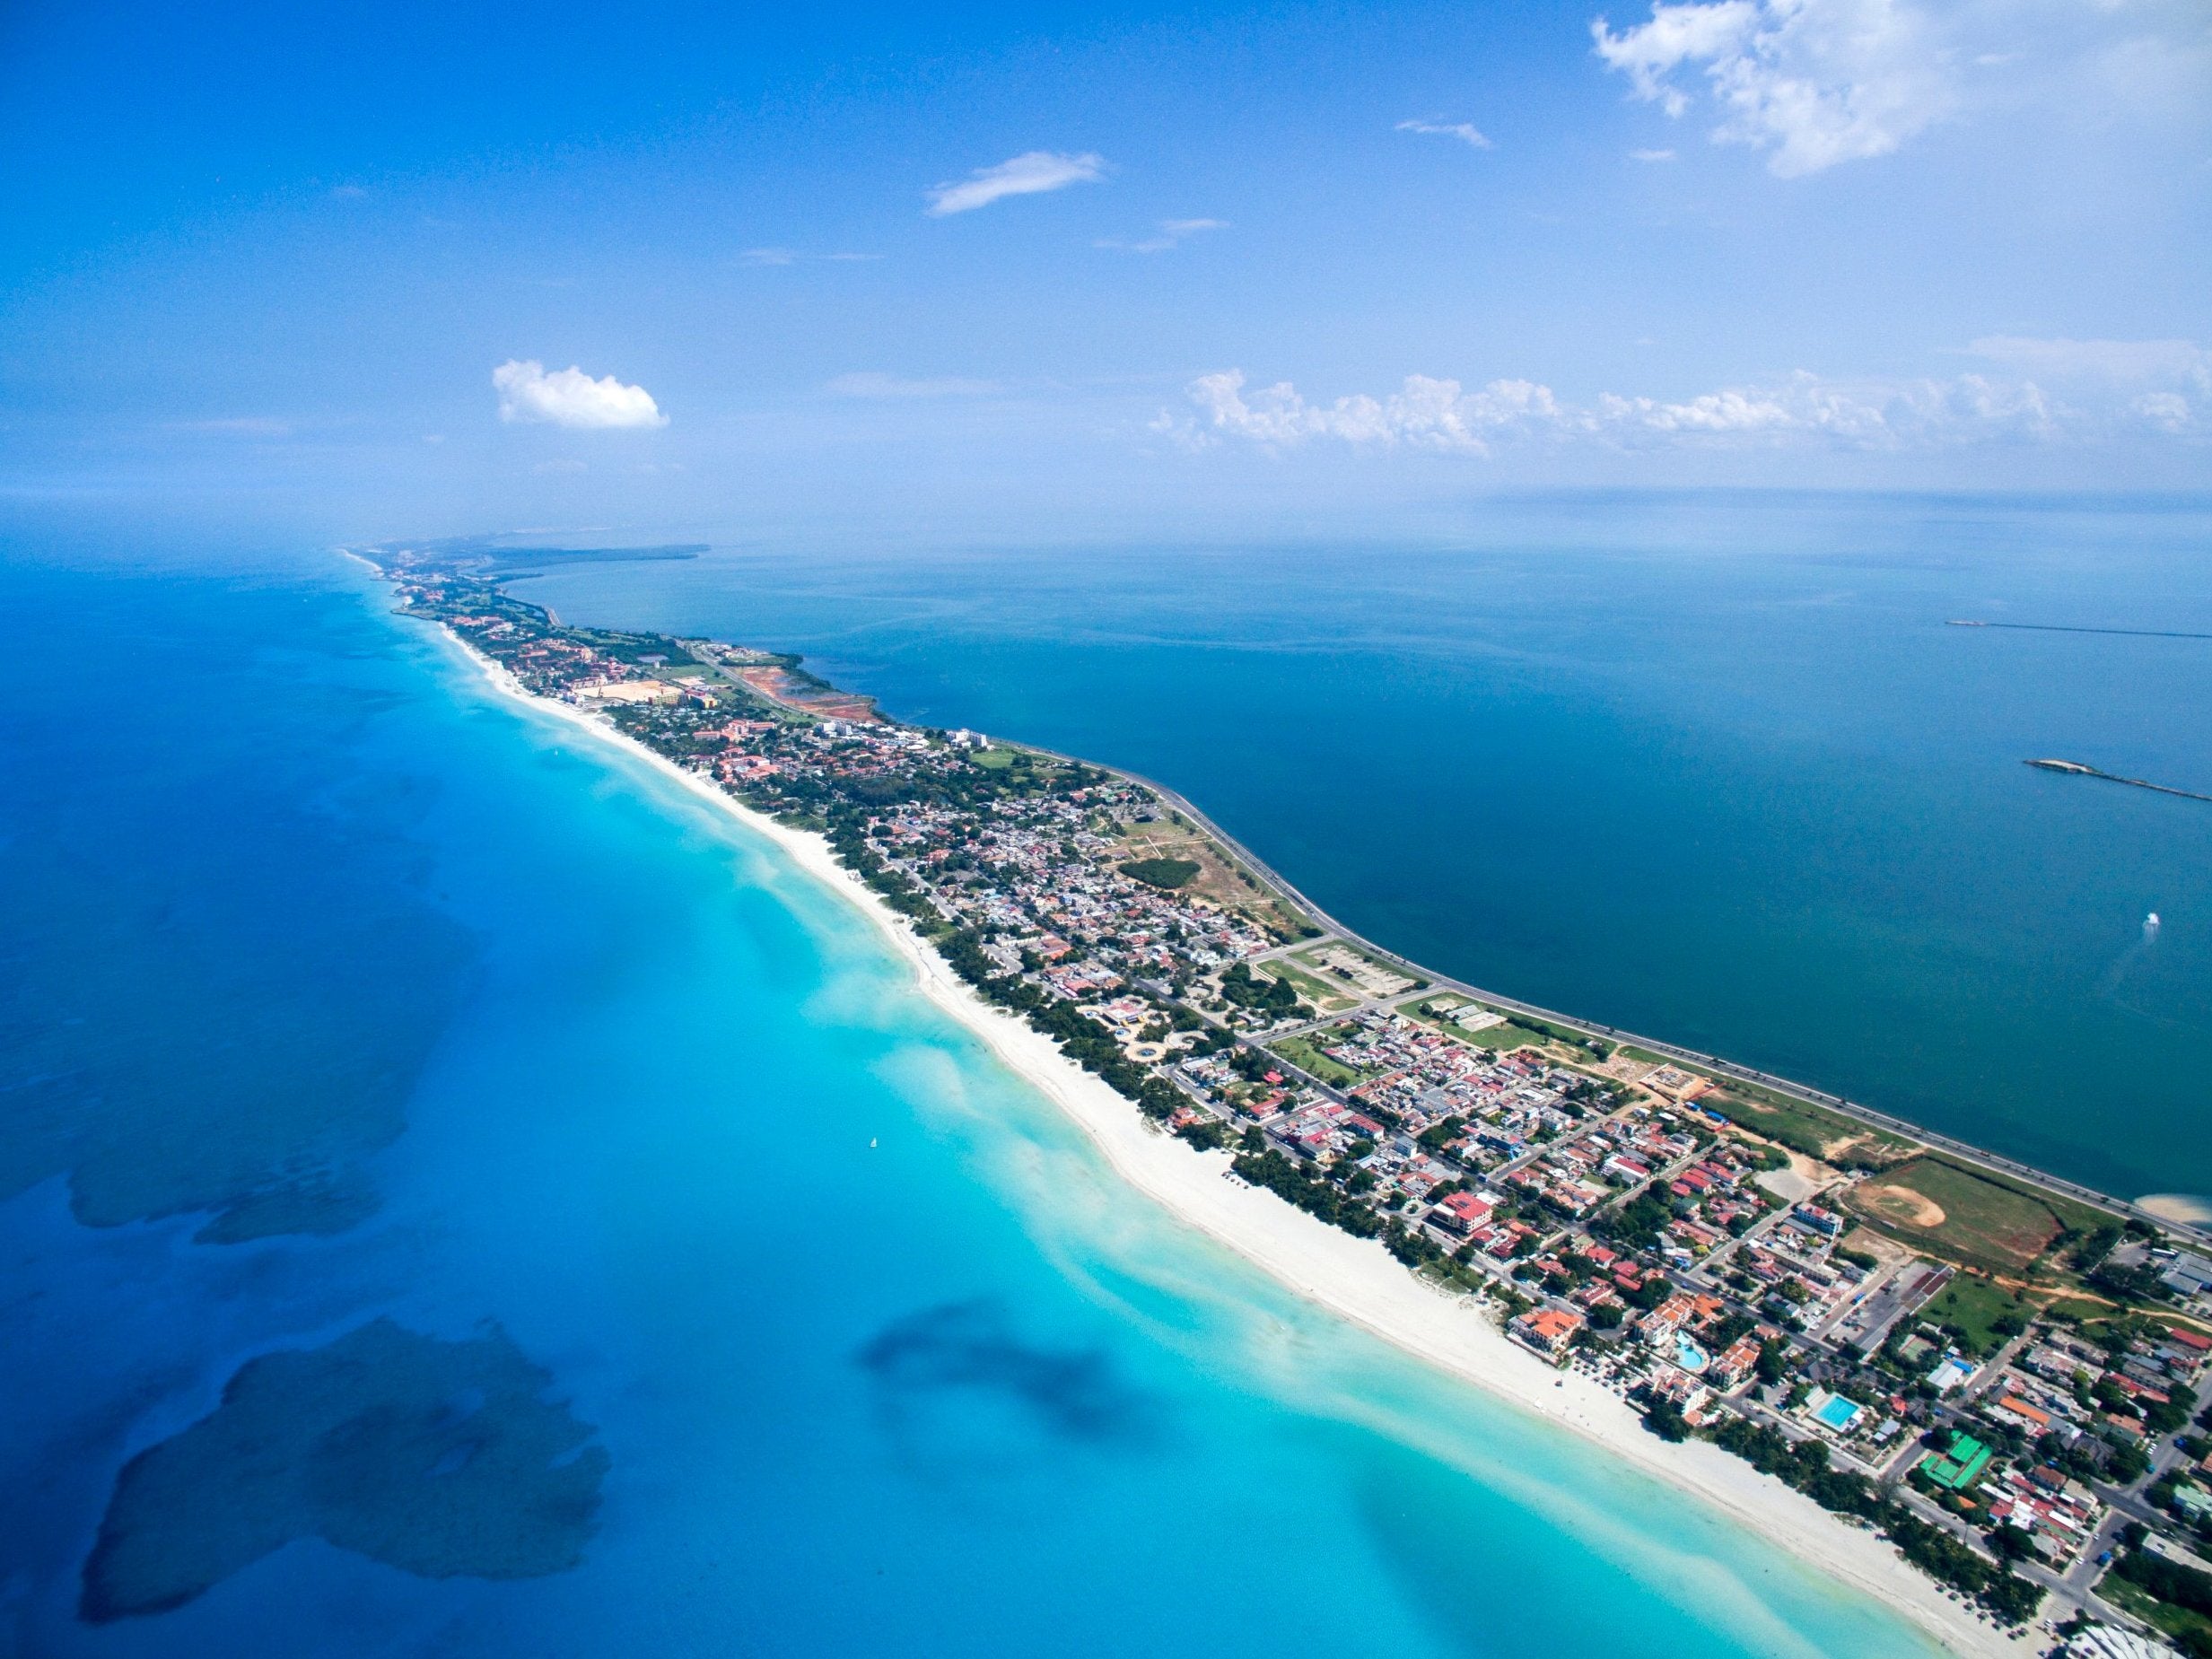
point(1352, 1279)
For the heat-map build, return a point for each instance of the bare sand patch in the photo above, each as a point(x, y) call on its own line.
point(2188, 1208)
point(1904, 1205)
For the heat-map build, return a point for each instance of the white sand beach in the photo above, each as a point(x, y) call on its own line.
point(1354, 1279)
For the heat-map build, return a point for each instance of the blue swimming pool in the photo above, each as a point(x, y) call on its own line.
point(1840, 1413)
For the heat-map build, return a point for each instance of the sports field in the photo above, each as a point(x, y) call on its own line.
point(1964, 1216)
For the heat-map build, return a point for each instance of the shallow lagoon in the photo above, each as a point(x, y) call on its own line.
point(955, 1390)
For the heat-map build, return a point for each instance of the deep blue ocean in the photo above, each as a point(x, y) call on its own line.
point(460, 1196)
point(1709, 767)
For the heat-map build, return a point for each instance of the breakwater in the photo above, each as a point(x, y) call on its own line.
point(2062, 627)
point(2074, 768)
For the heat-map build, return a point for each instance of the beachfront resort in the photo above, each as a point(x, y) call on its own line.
point(1997, 1375)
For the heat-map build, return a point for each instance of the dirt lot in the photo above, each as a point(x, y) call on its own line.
point(1955, 1213)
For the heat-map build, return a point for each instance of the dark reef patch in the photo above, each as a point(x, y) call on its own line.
point(1073, 1393)
point(441, 1458)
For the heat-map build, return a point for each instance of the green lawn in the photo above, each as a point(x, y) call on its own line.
point(1971, 1306)
point(1496, 1036)
point(1166, 873)
point(1988, 1221)
point(1301, 1053)
point(1328, 997)
point(2077, 1308)
point(1811, 1130)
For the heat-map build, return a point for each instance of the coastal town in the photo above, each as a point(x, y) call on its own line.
point(1997, 1375)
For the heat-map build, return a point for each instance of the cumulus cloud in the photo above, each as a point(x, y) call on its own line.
point(1799, 410)
point(1423, 414)
point(571, 397)
point(1464, 131)
point(1031, 173)
point(1812, 83)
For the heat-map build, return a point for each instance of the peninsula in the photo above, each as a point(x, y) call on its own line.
point(1989, 1369)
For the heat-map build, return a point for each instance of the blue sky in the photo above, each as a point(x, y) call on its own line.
point(403, 267)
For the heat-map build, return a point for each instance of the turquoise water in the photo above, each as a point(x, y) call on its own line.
point(556, 1177)
point(1706, 767)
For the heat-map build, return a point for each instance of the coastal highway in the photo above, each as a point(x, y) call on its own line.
point(1965, 1152)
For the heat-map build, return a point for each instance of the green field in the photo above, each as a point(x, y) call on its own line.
point(1503, 1036)
point(2079, 1309)
point(1168, 873)
point(1329, 999)
point(1977, 1219)
point(1801, 1126)
point(1301, 1053)
point(1971, 1306)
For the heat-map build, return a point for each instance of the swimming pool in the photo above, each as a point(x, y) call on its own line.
point(1839, 1414)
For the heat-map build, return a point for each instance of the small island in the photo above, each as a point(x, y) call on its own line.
point(1994, 1369)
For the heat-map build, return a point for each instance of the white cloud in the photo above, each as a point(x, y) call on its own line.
point(870, 384)
point(1464, 131)
point(1814, 83)
point(1852, 414)
point(2166, 410)
point(2175, 361)
point(1172, 231)
point(1028, 174)
point(1423, 414)
point(1651, 155)
point(1799, 410)
point(571, 397)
